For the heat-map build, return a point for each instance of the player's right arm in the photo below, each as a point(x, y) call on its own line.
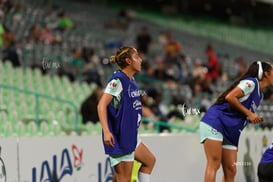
point(244, 88)
point(102, 113)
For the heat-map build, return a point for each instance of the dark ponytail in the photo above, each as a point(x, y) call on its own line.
point(255, 70)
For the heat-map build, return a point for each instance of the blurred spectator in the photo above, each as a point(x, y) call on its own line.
point(8, 37)
point(125, 17)
point(9, 50)
point(214, 67)
point(172, 71)
point(17, 11)
point(88, 108)
point(199, 71)
point(155, 109)
point(86, 54)
point(76, 63)
point(158, 108)
point(201, 85)
point(147, 75)
point(160, 71)
point(146, 110)
point(91, 68)
point(90, 57)
point(172, 49)
point(143, 40)
point(268, 93)
point(64, 21)
point(175, 112)
point(241, 66)
point(10, 54)
point(207, 87)
point(51, 20)
point(34, 34)
point(185, 68)
point(6, 6)
point(122, 21)
point(47, 36)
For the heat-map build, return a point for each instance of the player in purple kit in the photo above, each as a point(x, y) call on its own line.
point(120, 112)
point(221, 126)
point(265, 167)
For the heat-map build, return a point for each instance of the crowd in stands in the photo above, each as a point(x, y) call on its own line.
point(171, 78)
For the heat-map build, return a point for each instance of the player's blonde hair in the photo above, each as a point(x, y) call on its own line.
point(121, 55)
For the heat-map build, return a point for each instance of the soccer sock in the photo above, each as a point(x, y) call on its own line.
point(143, 177)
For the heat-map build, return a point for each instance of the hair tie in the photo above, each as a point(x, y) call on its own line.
point(113, 59)
point(260, 70)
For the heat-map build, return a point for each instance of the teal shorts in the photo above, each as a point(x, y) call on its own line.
point(208, 132)
point(115, 159)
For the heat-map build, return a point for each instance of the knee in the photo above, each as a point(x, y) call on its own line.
point(150, 163)
point(230, 170)
point(153, 160)
point(216, 166)
point(214, 163)
point(233, 171)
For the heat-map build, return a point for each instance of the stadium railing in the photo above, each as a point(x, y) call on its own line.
point(37, 103)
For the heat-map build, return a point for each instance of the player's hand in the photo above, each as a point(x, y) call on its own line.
point(254, 119)
point(109, 139)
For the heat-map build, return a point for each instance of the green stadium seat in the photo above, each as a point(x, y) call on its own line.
point(31, 128)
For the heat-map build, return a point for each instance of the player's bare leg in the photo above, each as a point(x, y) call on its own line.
point(213, 150)
point(229, 158)
point(147, 160)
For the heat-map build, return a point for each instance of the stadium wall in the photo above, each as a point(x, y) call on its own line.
point(81, 159)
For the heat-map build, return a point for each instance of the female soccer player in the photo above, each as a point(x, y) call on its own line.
point(120, 112)
point(265, 167)
point(221, 126)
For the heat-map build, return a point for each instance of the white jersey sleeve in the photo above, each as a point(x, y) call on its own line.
point(114, 88)
point(247, 86)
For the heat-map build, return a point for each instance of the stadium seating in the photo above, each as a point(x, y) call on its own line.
point(20, 87)
point(19, 100)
